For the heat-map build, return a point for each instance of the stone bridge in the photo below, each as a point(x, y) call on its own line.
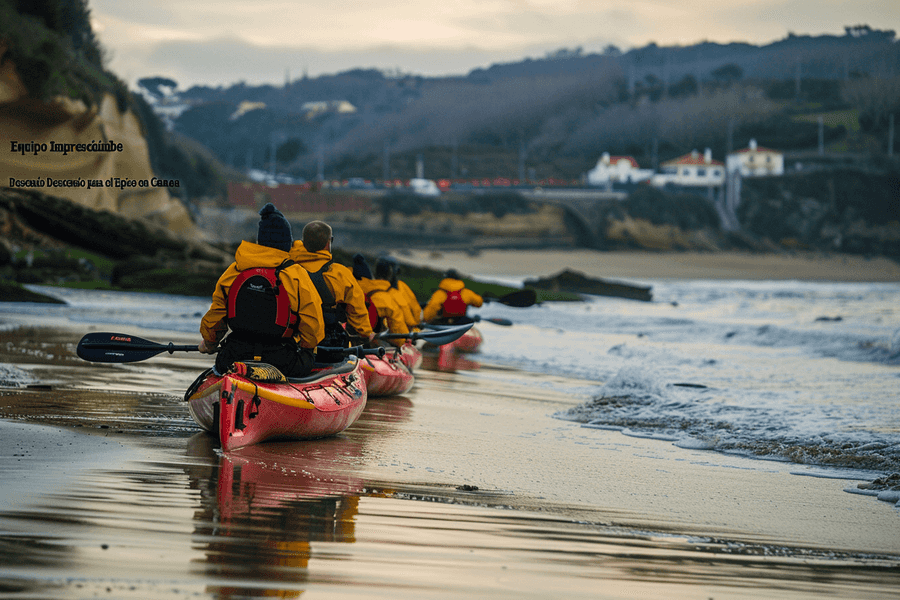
point(583, 210)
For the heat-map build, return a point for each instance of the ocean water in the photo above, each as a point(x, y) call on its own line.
point(781, 370)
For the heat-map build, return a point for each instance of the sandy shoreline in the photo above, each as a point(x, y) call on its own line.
point(639, 266)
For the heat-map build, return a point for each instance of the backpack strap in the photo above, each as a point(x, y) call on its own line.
point(318, 279)
point(284, 306)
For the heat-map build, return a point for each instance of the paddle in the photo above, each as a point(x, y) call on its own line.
point(122, 348)
point(518, 299)
point(359, 351)
point(477, 319)
point(125, 348)
point(437, 337)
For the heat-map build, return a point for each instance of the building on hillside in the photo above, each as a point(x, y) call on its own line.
point(245, 107)
point(314, 109)
point(691, 170)
point(617, 171)
point(755, 161)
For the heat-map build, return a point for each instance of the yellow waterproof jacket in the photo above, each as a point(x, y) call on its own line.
point(377, 290)
point(305, 301)
point(340, 281)
point(433, 308)
point(411, 301)
point(400, 299)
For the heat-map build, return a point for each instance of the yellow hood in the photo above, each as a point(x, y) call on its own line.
point(250, 255)
point(451, 285)
point(311, 261)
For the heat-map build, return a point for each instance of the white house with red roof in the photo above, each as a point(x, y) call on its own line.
point(611, 170)
point(755, 161)
point(691, 170)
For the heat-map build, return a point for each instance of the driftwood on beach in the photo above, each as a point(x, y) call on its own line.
point(579, 283)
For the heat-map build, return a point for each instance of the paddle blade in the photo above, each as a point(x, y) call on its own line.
point(121, 348)
point(438, 337)
point(519, 299)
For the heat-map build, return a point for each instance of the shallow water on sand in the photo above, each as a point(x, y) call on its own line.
point(464, 487)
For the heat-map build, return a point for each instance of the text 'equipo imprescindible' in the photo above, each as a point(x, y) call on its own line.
point(36, 148)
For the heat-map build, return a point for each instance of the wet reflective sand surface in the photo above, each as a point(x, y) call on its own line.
point(465, 487)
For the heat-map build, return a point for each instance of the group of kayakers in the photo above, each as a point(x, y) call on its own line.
point(286, 302)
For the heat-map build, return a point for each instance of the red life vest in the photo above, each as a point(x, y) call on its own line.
point(376, 322)
point(454, 305)
point(258, 305)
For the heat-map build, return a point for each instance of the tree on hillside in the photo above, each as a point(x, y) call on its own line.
point(55, 51)
point(729, 73)
point(875, 98)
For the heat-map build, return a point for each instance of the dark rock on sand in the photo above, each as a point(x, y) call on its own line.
point(578, 283)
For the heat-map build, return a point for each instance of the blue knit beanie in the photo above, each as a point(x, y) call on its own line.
point(274, 229)
point(361, 267)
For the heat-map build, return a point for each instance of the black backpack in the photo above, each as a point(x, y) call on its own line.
point(258, 304)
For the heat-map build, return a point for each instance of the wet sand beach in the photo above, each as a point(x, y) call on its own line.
point(464, 487)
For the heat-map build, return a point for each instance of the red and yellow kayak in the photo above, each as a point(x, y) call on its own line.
point(257, 403)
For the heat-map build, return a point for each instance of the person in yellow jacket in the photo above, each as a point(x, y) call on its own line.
point(384, 271)
point(343, 302)
point(270, 305)
point(411, 299)
point(384, 314)
point(450, 302)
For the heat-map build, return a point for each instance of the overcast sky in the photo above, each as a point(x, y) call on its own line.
point(220, 42)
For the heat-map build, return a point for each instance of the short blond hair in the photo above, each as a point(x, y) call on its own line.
point(316, 235)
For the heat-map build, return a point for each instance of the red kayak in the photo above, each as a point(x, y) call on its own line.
point(469, 342)
point(411, 356)
point(387, 376)
point(257, 403)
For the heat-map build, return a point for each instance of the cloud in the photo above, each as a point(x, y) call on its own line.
point(222, 41)
point(228, 60)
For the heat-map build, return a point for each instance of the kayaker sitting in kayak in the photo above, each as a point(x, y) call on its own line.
point(268, 303)
point(343, 300)
point(384, 271)
point(384, 314)
point(410, 296)
point(450, 302)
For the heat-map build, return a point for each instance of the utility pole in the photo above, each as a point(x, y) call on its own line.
point(320, 171)
point(891, 135)
point(272, 152)
point(729, 139)
point(821, 136)
point(521, 157)
point(386, 162)
point(454, 158)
